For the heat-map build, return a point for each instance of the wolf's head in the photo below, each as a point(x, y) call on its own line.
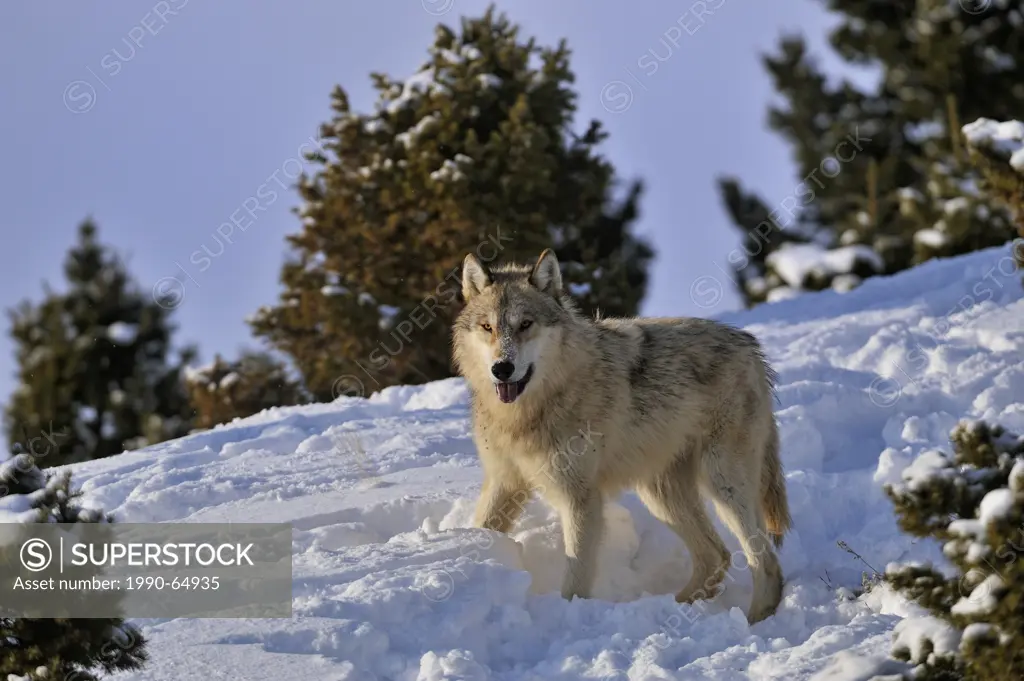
point(511, 328)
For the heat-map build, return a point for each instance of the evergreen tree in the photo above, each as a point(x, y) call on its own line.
point(997, 150)
point(57, 649)
point(94, 364)
point(223, 391)
point(472, 153)
point(972, 502)
point(885, 180)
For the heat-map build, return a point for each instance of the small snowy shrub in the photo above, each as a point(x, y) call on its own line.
point(973, 502)
point(57, 649)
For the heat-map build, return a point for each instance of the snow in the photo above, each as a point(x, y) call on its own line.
point(122, 333)
point(1004, 138)
point(489, 80)
point(846, 282)
point(579, 289)
point(931, 237)
point(449, 170)
point(108, 428)
point(912, 633)
point(391, 582)
point(976, 552)
point(451, 57)
point(781, 293)
point(849, 666)
point(1009, 441)
point(200, 373)
point(22, 508)
point(387, 315)
point(17, 508)
point(467, 53)
point(996, 505)
point(756, 286)
point(410, 136)
point(977, 630)
point(418, 84)
point(794, 262)
point(982, 598)
point(967, 527)
point(375, 125)
point(926, 467)
point(1016, 479)
point(40, 673)
point(910, 194)
point(333, 290)
point(315, 260)
point(956, 205)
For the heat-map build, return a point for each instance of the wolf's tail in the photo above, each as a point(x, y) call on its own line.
point(774, 502)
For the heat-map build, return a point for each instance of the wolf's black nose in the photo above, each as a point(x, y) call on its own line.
point(503, 370)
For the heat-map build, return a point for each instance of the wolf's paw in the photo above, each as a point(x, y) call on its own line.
point(571, 591)
point(711, 589)
point(761, 613)
point(686, 598)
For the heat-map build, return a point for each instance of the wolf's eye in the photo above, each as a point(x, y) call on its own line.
point(486, 327)
point(525, 325)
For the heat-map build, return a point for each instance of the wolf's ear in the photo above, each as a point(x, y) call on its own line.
point(546, 276)
point(475, 277)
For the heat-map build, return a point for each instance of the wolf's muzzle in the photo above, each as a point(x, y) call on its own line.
point(508, 392)
point(503, 370)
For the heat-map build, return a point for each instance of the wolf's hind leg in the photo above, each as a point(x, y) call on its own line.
point(500, 504)
point(674, 499)
point(736, 495)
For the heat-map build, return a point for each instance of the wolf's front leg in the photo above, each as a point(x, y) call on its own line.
point(582, 528)
point(500, 504)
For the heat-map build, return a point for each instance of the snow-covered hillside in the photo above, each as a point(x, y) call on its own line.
point(389, 582)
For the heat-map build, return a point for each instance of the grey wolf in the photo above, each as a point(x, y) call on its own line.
point(677, 409)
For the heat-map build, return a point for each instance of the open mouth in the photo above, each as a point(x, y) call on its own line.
point(508, 392)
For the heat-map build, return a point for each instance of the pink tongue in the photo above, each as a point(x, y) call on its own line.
point(507, 392)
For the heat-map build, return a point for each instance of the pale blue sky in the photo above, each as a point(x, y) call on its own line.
point(203, 102)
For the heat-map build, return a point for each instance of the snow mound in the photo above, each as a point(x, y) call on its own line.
point(391, 582)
